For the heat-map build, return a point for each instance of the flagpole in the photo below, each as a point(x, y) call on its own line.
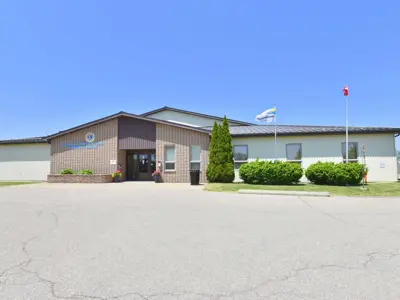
point(275, 135)
point(347, 132)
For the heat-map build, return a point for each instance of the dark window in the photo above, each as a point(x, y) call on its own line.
point(195, 157)
point(240, 155)
point(169, 158)
point(353, 150)
point(293, 152)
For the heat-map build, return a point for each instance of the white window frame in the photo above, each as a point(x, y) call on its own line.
point(343, 145)
point(241, 162)
point(190, 157)
point(301, 153)
point(169, 161)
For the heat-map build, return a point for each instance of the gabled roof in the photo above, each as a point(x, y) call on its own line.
point(269, 130)
point(31, 140)
point(124, 114)
point(193, 114)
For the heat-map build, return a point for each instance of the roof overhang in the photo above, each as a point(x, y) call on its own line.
point(36, 140)
point(395, 131)
point(124, 114)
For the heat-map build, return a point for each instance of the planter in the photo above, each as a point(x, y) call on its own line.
point(117, 179)
point(79, 178)
point(157, 178)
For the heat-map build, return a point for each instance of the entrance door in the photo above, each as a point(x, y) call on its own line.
point(140, 165)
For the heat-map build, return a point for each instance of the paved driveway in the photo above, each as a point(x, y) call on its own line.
point(127, 241)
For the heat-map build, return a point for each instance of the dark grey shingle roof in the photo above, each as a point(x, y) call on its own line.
point(265, 130)
point(32, 140)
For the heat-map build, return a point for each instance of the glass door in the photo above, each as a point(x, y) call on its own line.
point(141, 165)
point(144, 167)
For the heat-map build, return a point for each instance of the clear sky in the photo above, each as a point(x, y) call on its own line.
point(63, 63)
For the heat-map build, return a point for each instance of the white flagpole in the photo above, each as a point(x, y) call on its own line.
point(347, 132)
point(275, 135)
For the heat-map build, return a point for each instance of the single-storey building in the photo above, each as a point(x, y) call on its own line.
point(175, 141)
point(24, 159)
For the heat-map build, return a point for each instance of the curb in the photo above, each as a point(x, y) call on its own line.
point(285, 193)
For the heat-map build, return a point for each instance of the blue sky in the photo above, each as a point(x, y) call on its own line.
point(67, 62)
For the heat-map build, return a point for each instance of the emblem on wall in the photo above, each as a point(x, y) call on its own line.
point(89, 144)
point(90, 137)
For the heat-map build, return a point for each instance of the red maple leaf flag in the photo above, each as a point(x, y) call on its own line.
point(346, 91)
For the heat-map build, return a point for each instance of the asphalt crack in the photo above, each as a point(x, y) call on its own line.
point(322, 212)
point(374, 256)
point(292, 274)
point(24, 267)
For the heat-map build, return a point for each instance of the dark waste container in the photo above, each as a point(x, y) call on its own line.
point(194, 177)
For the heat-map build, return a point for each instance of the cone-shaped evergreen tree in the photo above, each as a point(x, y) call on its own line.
point(220, 162)
point(228, 170)
point(213, 154)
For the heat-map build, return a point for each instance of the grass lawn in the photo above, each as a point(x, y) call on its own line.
point(8, 183)
point(374, 189)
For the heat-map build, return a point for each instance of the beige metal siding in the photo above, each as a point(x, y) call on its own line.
point(380, 152)
point(24, 162)
point(181, 139)
point(97, 160)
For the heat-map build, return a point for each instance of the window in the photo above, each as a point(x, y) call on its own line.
point(240, 155)
point(293, 153)
point(353, 151)
point(169, 158)
point(195, 157)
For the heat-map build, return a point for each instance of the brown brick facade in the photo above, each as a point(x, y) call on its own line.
point(57, 178)
point(72, 151)
point(65, 151)
point(182, 139)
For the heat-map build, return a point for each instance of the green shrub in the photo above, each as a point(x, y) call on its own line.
point(67, 171)
point(86, 172)
point(271, 173)
point(320, 172)
point(335, 174)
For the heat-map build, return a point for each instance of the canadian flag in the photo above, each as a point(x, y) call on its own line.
point(346, 91)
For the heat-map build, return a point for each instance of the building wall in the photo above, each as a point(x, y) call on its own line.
point(186, 119)
point(122, 162)
point(380, 151)
point(24, 162)
point(136, 134)
point(97, 159)
point(181, 139)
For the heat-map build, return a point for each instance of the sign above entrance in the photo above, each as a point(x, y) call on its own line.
point(89, 144)
point(84, 145)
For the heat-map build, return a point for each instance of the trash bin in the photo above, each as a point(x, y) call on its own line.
point(194, 177)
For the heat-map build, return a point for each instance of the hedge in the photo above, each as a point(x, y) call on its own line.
point(271, 173)
point(335, 174)
point(67, 171)
point(70, 171)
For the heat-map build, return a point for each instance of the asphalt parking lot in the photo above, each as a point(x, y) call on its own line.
point(147, 241)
